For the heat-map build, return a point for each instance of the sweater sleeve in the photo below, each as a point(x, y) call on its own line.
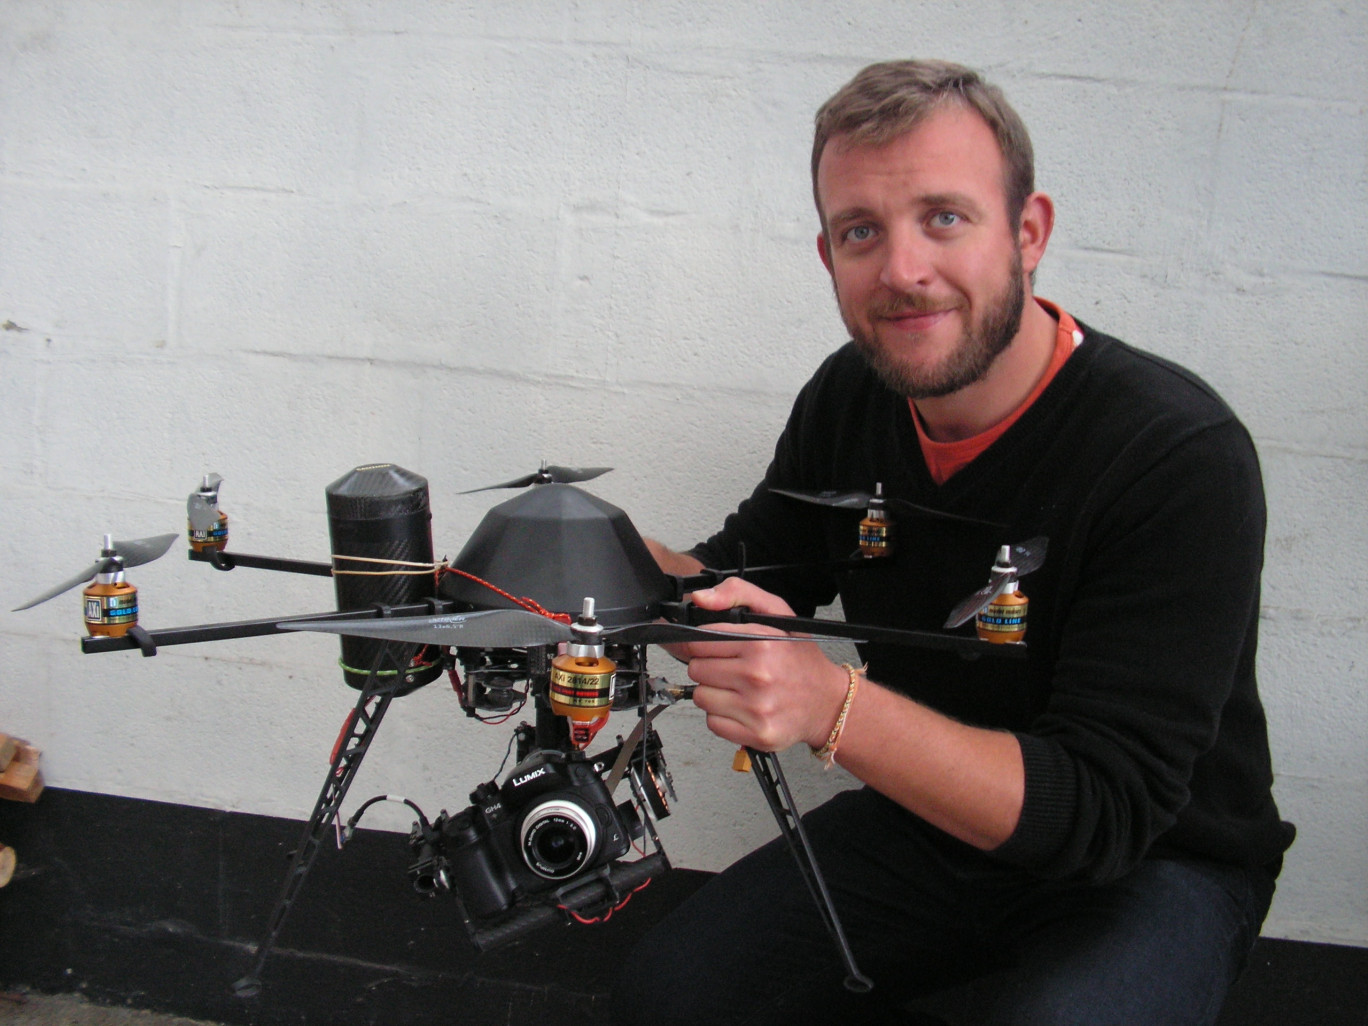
point(1155, 646)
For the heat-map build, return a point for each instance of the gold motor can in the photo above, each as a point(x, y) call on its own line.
point(216, 537)
point(581, 690)
point(1004, 619)
point(110, 608)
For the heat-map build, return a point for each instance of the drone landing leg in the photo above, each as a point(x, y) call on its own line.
point(771, 777)
point(346, 761)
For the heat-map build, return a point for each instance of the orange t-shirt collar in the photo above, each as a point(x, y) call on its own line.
point(945, 459)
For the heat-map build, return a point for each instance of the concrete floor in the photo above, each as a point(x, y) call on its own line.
point(30, 1009)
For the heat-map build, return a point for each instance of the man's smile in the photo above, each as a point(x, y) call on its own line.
point(916, 320)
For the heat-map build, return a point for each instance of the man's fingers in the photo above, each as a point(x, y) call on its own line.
point(735, 592)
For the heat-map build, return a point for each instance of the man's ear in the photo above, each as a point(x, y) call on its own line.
point(1037, 221)
point(824, 253)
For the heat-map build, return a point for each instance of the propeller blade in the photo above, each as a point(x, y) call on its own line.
point(485, 628)
point(547, 475)
point(1029, 555)
point(861, 500)
point(132, 553)
point(144, 550)
point(517, 482)
point(573, 475)
point(201, 512)
point(202, 505)
point(1026, 556)
point(81, 578)
point(515, 628)
point(659, 633)
point(978, 601)
point(904, 506)
point(837, 500)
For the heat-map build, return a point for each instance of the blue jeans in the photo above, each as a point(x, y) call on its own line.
point(924, 913)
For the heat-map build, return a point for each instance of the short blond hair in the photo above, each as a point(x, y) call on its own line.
point(890, 99)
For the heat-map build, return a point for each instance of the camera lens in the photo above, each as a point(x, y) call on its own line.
point(558, 838)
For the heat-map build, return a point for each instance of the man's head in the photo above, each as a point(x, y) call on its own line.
point(890, 99)
point(923, 178)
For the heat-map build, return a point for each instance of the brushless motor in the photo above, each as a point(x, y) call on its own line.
point(207, 523)
point(876, 529)
point(381, 529)
point(582, 680)
point(111, 603)
point(1003, 620)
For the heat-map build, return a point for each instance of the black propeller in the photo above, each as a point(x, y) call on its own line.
point(547, 475)
point(517, 628)
point(1021, 560)
point(116, 555)
point(839, 500)
point(856, 499)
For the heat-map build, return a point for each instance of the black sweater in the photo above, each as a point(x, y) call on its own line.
point(1137, 708)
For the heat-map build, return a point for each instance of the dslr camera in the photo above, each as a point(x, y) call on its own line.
point(550, 823)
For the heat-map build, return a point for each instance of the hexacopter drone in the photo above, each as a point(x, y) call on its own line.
point(553, 599)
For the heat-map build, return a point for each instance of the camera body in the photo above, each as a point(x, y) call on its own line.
point(550, 823)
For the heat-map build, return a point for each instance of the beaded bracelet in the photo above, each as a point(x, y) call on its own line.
point(827, 753)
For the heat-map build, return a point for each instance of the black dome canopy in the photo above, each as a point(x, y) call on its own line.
point(556, 544)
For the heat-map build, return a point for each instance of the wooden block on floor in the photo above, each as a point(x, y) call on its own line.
point(8, 747)
point(22, 781)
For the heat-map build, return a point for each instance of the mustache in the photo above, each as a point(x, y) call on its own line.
point(909, 303)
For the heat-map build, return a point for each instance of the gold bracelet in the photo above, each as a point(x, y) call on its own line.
point(827, 753)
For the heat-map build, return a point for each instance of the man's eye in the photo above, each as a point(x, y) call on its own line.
point(945, 219)
point(860, 233)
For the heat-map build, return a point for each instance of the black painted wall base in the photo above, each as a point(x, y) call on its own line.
point(159, 906)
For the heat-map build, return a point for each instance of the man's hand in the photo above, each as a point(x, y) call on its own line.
point(760, 694)
point(968, 781)
point(672, 562)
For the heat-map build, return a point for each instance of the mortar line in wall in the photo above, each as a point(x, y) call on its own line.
point(744, 55)
point(1349, 276)
point(1269, 445)
point(1275, 613)
point(1318, 778)
point(619, 386)
point(1160, 259)
point(1347, 104)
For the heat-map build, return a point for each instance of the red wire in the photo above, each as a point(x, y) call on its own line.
point(531, 605)
point(607, 915)
point(342, 735)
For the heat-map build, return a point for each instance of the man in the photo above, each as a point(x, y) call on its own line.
point(1089, 830)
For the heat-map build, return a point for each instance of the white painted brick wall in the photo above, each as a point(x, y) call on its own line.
point(278, 241)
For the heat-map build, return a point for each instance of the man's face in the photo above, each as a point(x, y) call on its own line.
point(927, 268)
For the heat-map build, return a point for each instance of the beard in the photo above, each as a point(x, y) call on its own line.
point(977, 347)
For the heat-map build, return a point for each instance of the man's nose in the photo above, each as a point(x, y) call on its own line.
point(907, 262)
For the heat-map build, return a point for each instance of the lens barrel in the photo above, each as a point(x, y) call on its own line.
point(557, 838)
